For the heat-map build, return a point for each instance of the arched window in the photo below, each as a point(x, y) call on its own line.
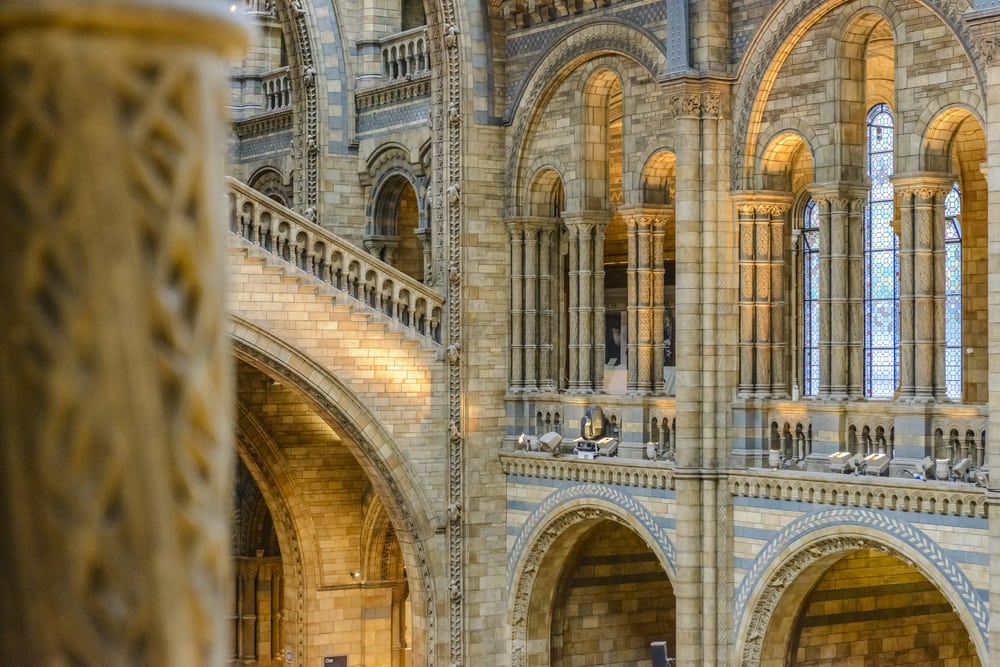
point(953, 294)
point(881, 262)
point(810, 299)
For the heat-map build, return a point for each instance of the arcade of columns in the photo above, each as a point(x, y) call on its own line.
point(763, 218)
point(534, 242)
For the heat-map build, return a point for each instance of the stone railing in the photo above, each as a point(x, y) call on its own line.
point(259, 7)
point(406, 55)
point(288, 235)
point(276, 90)
point(950, 433)
point(644, 425)
point(928, 497)
point(257, 126)
point(588, 471)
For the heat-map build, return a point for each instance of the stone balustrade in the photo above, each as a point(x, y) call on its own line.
point(260, 7)
point(406, 55)
point(943, 431)
point(926, 497)
point(276, 89)
point(644, 425)
point(313, 249)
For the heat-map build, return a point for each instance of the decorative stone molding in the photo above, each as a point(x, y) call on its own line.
point(705, 104)
point(259, 126)
point(394, 92)
point(878, 493)
point(307, 115)
point(615, 472)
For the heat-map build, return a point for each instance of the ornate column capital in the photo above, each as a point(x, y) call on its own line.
point(984, 26)
point(923, 184)
point(839, 195)
point(762, 202)
point(586, 219)
point(655, 216)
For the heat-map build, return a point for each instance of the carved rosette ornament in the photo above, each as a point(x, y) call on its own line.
point(115, 382)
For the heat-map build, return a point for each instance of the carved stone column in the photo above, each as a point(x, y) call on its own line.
point(921, 283)
point(645, 227)
point(424, 234)
point(531, 306)
point(573, 236)
point(515, 229)
point(586, 257)
point(115, 374)
point(841, 292)
point(762, 292)
point(545, 320)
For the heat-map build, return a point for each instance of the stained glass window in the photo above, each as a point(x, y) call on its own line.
point(953, 294)
point(810, 300)
point(881, 262)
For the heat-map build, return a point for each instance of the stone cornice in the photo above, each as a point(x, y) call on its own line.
point(878, 493)
point(643, 475)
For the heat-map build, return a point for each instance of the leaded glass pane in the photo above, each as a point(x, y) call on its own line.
point(810, 299)
point(953, 295)
point(881, 261)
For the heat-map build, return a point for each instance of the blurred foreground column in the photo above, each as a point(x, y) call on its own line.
point(115, 436)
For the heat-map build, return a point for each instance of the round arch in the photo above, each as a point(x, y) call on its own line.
point(379, 458)
point(559, 62)
point(939, 125)
point(810, 543)
point(659, 177)
point(782, 153)
point(545, 193)
point(562, 518)
point(771, 45)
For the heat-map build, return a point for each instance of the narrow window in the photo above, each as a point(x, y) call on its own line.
point(810, 300)
point(953, 294)
point(881, 262)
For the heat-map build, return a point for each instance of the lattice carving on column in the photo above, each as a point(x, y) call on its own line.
point(117, 438)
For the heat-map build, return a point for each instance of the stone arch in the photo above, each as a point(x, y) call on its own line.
point(786, 158)
point(378, 456)
point(816, 539)
point(659, 178)
point(546, 196)
point(563, 517)
point(939, 127)
point(774, 40)
point(259, 454)
point(269, 181)
point(602, 112)
point(566, 56)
